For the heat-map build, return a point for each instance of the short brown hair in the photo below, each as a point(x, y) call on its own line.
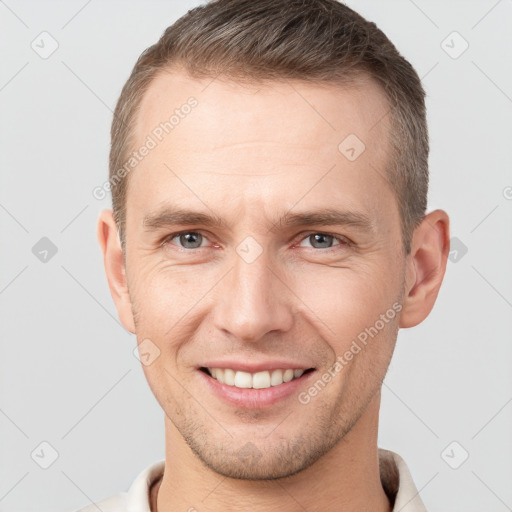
point(319, 41)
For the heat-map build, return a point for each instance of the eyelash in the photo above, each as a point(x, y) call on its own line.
point(343, 241)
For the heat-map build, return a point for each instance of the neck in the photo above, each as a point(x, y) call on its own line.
point(346, 478)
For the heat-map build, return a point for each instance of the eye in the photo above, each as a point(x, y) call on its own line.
point(190, 240)
point(324, 240)
point(186, 239)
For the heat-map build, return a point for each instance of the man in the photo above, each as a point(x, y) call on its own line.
point(268, 240)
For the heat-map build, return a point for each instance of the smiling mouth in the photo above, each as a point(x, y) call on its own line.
point(258, 380)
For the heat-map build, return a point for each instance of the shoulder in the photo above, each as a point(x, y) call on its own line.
point(398, 483)
point(136, 499)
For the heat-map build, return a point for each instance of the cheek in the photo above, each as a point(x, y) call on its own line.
point(162, 294)
point(343, 302)
point(170, 304)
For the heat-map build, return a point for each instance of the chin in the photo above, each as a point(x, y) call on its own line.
point(260, 460)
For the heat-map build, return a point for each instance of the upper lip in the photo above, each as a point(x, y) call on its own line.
point(255, 367)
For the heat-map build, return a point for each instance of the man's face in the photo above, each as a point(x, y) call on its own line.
point(255, 291)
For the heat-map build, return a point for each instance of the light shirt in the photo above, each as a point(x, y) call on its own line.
point(394, 474)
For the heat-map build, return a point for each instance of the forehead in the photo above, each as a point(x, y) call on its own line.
point(325, 109)
point(259, 138)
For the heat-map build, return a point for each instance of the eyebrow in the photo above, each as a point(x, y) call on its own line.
point(169, 216)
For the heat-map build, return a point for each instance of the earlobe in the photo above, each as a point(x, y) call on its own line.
point(113, 260)
point(426, 266)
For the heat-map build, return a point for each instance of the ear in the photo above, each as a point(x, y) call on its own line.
point(115, 268)
point(425, 267)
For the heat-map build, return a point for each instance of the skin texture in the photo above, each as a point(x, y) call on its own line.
point(250, 154)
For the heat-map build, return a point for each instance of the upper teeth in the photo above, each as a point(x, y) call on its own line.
point(259, 380)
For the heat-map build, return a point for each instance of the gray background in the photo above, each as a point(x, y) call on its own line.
point(68, 376)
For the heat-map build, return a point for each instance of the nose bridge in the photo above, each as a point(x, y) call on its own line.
point(253, 299)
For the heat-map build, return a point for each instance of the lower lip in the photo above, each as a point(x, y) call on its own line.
point(250, 398)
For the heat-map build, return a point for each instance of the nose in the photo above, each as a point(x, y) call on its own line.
point(253, 300)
